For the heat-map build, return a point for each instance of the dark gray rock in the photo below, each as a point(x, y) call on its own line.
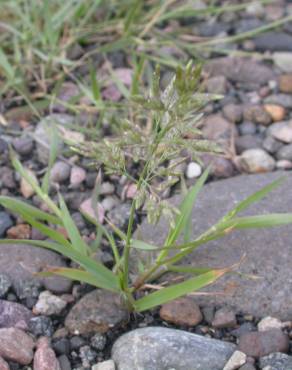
point(156, 348)
point(240, 70)
point(41, 326)
point(21, 261)
point(268, 252)
point(285, 152)
point(276, 361)
point(23, 145)
point(246, 142)
point(5, 223)
point(273, 41)
point(97, 312)
point(14, 315)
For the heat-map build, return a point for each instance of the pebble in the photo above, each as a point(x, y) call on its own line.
point(27, 288)
point(49, 304)
point(3, 364)
point(273, 41)
point(64, 362)
point(76, 342)
point(269, 323)
point(183, 311)
point(119, 215)
point(246, 327)
point(98, 341)
point(193, 170)
point(246, 142)
point(105, 365)
point(7, 178)
point(61, 346)
point(284, 100)
point(271, 145)
point(247, 367)
point(233, 112)
point(60, 172)
point(257, 114)
point(281, 131)
point(284, 164)
point(285, 153)
point(276, 361)
point(109, 203)
point(285, 83)
point(16, 345)
point(216, 85)
point(256, 161)
point(25, 188)
point(96, 312)
point(87, 208)
point(283, 61)
point(224, 318)
point(169, 349)
point(275, 111)
point(23, 145)
point(45, 358)
point(107, 188)
point(236, 360)
point(220, 167)
point(5, 223)
point(77, 176)
point(13, 314)
point(87, 355)
point(217, 128)
point(21, 231)
point(5, 284)
point(41, 326)
point(259, 344)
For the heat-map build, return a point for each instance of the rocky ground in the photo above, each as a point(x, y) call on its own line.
point(53, 324)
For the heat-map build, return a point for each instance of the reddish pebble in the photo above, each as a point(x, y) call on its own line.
point(45, 358)
point(183, 311)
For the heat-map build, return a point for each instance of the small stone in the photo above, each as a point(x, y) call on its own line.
point(273, 41)
point(220, 167)
point(246, 142)
point(41, 326)
point(224, 318)
point(60, 172)
point(16, 346)
point(285, 153)
point(247, 367)
point(216, 85)
point(76, 343)
point(119, 215)
point(45, 358)
point(276, 361)
point(285, 83)
point(23, 145)
point(97, 312)
point(256, 114)
point(157, 348)
point(64, 362)
point(284, 164)
point(259, 344)
point(7, 178)
point(284, 100)
point(27, 288)
point(275, 111)
point(283, 61)
point(182, 311)
point(25, 188)
point(233, 112)
point(271, 145)
point(77, 176)
point(98, 341)
point(246, 327)
point(3, 364)
point(269, 323)
point(61, 346)
point(49, 304)
point(281, 131)
point(21, 231)
point(105, 365)
point(5, 284)
point(107, 188)
point(256, 161)
point(236, 360)
point(109, 203)
point(14, 315)
point(5, 223)
point(217, 128)
point(193, 170)
point(86, 207)
point(131, 191)
point(87, 356)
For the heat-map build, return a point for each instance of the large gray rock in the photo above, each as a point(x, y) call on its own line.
point(276, 361)
point(21, 261)
point(268, 251)
point(156, 348)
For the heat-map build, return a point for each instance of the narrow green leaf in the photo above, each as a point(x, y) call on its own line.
point(106, 278)
point(253, 222)
point(73, 274)
point(77, 242)
point(55, 140)
point(178, 290)
point(23, 208)
point(140, 244)
point(190, 269)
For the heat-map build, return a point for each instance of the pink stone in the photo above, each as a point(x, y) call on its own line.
point(45, 358)
point(86, 208)
point(77, 176)
point(16, 345)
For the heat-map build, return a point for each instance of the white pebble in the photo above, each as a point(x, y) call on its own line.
point(105, 365)
point(236, 360)
point(49, 304)
point(193, 170)
point(269, 323)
